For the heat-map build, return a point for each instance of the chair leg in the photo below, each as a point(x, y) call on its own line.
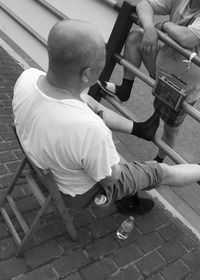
point(69, 224)
point(14, 181)
point(33, 227)
point(62, 209)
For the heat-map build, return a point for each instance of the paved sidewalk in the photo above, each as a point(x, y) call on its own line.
point(159, 248)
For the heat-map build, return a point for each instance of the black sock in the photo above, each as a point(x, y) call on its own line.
point(152, 76)
point(124, 91)
point(159, 159)
point(147, 129)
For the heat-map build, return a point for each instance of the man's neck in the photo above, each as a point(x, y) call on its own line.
point(58, 89)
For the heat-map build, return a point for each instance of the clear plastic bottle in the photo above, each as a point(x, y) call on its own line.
point(125, 228)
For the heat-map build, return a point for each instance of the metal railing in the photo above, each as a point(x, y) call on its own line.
point(151, 82)
point(162, 36)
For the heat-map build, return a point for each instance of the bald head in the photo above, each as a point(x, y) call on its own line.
point(74, 45)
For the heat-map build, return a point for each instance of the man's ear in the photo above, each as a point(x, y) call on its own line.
point(85, 74)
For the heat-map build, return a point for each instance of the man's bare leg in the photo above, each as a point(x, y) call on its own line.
point(133, 53)
point(169, 136)
point(179, 175)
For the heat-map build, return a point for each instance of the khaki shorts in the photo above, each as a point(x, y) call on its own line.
point(168, 63)
point(168, 115)
point(134, 177)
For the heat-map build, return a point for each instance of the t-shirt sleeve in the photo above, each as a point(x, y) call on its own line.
point(91, 102)
point(161, 7)
point(100, 156)
point(195, 27)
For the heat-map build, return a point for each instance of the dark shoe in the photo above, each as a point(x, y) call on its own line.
point(134, 205)
point(123, 91)
point(158, 159)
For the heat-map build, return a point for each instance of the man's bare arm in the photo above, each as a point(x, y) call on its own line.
point(117, 122)
point(181, 34)
point(150, 37)
point(113, 120)
point(145, 14)
point(111, 180)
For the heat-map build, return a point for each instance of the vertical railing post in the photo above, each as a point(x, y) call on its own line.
point(115, 44)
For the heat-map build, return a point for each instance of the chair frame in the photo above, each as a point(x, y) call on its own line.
point(46, 179)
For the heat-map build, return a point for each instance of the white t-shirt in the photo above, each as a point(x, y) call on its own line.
point(65, 136)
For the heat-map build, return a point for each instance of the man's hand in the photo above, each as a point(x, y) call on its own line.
point(150, 41)
point(111, 180)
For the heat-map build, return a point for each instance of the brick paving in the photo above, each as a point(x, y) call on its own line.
point(159, 247)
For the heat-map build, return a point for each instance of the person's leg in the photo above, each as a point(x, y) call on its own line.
point(135, 177)
point(169, 137)
point(138, 176)
point(179, 175)
point(133, 53)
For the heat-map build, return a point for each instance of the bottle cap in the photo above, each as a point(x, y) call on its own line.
point(100, 199)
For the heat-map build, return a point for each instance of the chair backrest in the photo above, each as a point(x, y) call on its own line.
point(46, 178)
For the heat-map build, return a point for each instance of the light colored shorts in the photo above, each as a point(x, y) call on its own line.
point(168, 63)
point(134, 177)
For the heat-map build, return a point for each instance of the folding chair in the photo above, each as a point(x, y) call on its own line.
point(37, 179)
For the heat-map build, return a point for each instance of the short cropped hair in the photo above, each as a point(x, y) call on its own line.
point(70, 53)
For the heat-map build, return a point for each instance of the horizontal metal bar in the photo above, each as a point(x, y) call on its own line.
point(190, 110)
point(31, 31)
point(185, 52)
point(169, 151)
point(123, 110)
point(140, 74)
point(194, 113)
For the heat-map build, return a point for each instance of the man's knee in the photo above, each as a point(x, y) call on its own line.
point(134, 38)
point(166, 173)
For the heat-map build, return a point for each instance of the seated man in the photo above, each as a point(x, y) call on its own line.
point(59, 131)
